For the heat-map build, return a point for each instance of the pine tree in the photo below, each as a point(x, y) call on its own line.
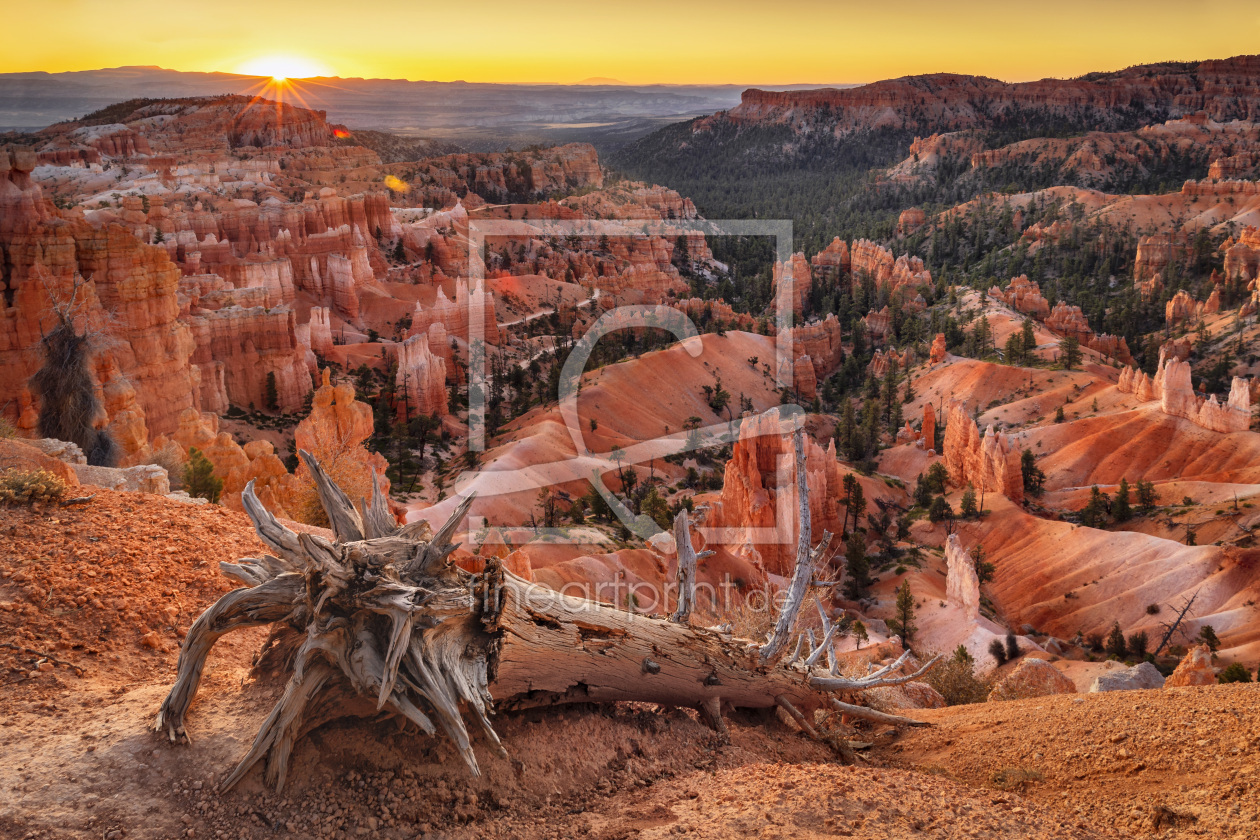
point(1094, 514)
point(1028, 338)
point(1014, 351)
point(922, 492)
point(1235, 672)
point(903, 622)
point(967, 507)
point(984, 569)
point(860, 634)
point(937, 475)
point(1070, 347)
point(1208, 634)
point(846, 429)
point(682, 257)
point(1012, 646)
point(857, 503)
point(857, 568)
point(1146, 495)
point(1120, 506)
point(271, 396)
point(1034, 478)
point(940, 511)
point(1116, 644)
point(657, 508)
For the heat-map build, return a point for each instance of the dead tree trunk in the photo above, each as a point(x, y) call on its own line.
point(687, 559)
point(1170, 628)
point(381, 620)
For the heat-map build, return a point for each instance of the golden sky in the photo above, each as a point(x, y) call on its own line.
point(669, 41)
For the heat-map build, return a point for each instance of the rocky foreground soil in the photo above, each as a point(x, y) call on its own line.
point(93, 599)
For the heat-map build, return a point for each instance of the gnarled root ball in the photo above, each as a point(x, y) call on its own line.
point(386, 623)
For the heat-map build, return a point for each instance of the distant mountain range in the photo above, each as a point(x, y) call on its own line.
point(475, 115)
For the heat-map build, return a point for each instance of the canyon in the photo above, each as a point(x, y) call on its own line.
point(1021, 372)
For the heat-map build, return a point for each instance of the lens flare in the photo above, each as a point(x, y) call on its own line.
point(340, 133)
point(398, 185)
point(282, 67)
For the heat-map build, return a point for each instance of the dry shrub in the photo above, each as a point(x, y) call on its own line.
point(29, 486)
point(171, 458)
point(955, 678)
point(352, 475)
point(750, 616)
point(7, 429)
point(68, 406)
point(1013, 778)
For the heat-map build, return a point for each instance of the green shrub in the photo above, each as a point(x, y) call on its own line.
point(199, 477)
point(940, 511)
point(24, 487)
point(1234, 673)
point(955, 678)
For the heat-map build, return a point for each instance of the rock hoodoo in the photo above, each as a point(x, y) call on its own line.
point(1172, 386)
point(962, 586)
point(990, 463)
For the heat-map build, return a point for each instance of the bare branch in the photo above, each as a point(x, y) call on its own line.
point(270, 531)
point(276, 600)
point(862, 684)
point(432, 558)
point(805, 725)
point(345, 520)
point(804, 571)
point(377, 520)
point(872, 714)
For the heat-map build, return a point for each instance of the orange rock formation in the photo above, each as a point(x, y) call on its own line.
point(1172, 386)
point(990, 463)
point(938, 349)
point(758, 503)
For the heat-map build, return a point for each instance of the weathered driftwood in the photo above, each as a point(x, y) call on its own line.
point(687, 560)
point(381, 621)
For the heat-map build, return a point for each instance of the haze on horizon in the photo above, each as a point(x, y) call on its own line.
point(559, 41)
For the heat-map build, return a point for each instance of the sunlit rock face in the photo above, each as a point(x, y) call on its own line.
point(109, 283)
point(990, 463)
point(1024, 296)
point(420, 383)
point(1223, 89)
point(1172, 386)
point(759, 494)
point(962, 586)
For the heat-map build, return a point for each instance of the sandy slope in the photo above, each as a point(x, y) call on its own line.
point(1164, 763)
point(631, 402)
point(1062, 578)
point(81, 761)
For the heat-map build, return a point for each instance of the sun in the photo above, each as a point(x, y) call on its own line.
point(282, 67)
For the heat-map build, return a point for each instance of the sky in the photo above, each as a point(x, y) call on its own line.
point(646, 42)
